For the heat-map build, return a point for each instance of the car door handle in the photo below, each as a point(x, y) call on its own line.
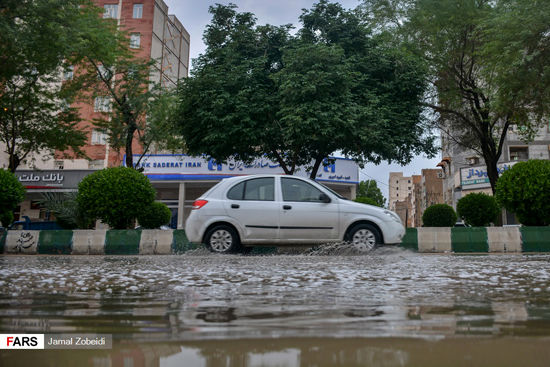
point(287, 207)
point(235, 206)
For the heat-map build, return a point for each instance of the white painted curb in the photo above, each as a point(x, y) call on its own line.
point(434, 239)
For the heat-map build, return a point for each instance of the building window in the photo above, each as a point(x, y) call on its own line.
point(102, 104)
point(138, 11)
point(68, 73)
point(111, 11)
point(135, 39)
point(519, 153)
point(99, 137)
point(105, 73)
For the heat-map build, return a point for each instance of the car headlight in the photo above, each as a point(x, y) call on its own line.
point(393, 216)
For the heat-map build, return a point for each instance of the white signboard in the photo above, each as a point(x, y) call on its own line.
point(182, 167)
point(477, 178)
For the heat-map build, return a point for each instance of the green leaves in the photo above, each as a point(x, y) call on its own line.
point(258, 90)
point(369, 193)
point(115, 195)
point(478, 209)
point(11, 191)
point(525, 191)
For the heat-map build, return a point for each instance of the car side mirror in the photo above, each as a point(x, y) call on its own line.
point(324, 198)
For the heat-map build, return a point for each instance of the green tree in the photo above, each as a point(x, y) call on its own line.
point(64, 206)
point(11, 191)
point(258, 91)
point(369, 190)
point(38, 40)
point(154, 216)
point(476, 94)
point(478, 209)
point(439, 215)
point(525, 191)
point(115, 195)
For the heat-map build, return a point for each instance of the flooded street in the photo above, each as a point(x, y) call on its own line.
point(391, 307)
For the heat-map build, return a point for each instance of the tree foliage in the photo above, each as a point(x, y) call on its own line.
point(38, 40)
point(525, 191)
point(258, 90)
point(68, 213)
point(439, 215)
point(116, 196)
point(484, 75)
point(478, 209)
point(369, 193)
point(11, 191)
point(154, 215)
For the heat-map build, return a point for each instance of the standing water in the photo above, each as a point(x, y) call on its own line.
point(329, 306)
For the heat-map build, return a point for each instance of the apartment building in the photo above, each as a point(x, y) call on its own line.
point(410, 196)
point(153, 34)
point(465, 171)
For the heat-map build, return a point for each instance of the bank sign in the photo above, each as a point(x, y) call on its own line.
point(183, 167)
point(477, 178)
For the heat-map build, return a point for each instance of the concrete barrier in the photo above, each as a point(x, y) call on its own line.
point(89, 242)
point(504, 239)
point(155, 242)
point(478, 239)
point(22, 242)
point(535, 239)
point(160, 242)
point(434, 239)
point(469, 239)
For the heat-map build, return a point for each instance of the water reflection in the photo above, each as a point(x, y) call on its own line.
point(294, 352)
point(196, 299)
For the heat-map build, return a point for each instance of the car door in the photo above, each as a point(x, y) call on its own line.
point(304, 217)
point(252, 204)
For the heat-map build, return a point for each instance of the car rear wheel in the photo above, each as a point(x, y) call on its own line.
point(222, 239)
point(364, 237)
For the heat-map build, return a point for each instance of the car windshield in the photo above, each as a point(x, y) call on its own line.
point(331, 190)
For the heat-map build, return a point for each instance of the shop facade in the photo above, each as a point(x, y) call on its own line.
point(179, 179)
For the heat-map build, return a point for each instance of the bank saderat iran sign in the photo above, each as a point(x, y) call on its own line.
point(477, 178)
point(184, 167)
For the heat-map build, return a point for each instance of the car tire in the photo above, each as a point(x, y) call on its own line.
point(222, 239)
point(364, 237)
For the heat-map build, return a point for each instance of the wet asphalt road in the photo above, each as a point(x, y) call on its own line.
point(201, 297)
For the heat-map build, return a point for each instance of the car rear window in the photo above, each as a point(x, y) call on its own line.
point(258, 189)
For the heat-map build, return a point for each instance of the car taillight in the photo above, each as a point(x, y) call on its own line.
point(199, 204)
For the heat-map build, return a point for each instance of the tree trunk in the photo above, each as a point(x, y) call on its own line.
point(129, 140)
point(14, 163)
point(315, 168)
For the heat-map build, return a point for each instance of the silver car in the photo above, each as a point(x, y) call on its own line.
point(285, 210)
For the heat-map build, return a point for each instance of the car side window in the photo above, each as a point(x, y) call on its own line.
point(298, 190)
point(236, 192)
point(259, 189)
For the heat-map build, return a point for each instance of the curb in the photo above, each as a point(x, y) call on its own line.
point(96, 242)
point(477, 239)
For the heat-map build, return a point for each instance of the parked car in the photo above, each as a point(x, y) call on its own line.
point(27, 224)
point(285, 210)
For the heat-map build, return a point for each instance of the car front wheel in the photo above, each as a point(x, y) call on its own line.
point(364, 237)
point(222, 239)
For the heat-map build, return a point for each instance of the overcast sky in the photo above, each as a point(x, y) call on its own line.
point(194, 16)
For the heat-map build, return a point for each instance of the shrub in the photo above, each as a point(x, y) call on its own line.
point(525, 190)
point(115, 195)
point(478, 209)
point(6, 218)
point(439, 215)
point(366, 200)
point(154, 216)
point(68, 213)
point(11, 191)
